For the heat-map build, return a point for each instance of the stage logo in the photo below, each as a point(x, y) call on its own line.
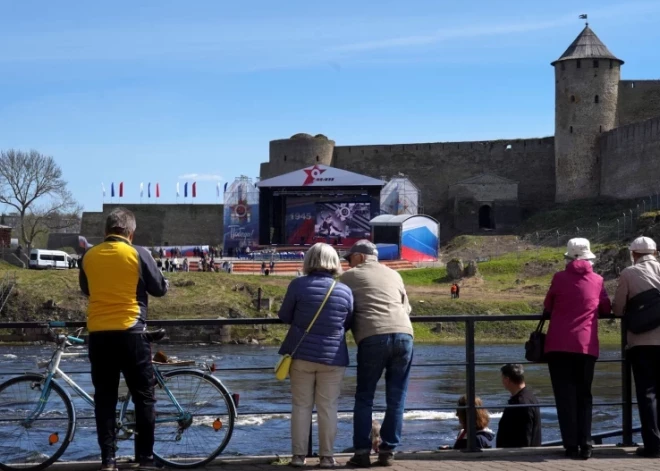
point(314, 175)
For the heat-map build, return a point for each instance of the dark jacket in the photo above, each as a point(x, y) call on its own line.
point(484, 439)
point(326, 342)
point(520, 426)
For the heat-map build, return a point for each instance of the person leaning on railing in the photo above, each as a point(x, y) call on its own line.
point(320, 357)
point(638, 286)
point(574, 301)
point(118, 277)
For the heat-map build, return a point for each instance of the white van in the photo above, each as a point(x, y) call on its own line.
point(49, 259)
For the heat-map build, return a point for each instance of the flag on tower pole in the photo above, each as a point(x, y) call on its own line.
point(217, 190)
point(141, 191)
point(157, 190)
point(121, 190)
point(103, 189)
point(112, 190)
point(194, 190)
point(185, 191)
point(149, 190)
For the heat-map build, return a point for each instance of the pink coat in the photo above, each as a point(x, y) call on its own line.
point(575, 299)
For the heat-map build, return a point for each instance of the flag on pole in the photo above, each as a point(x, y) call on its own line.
point(226, 186)
point(149, 190)
point(157, 190)
point(217, 190)
point(185, 190)
point(194, 190)
point(583, 16)
point(103, 188)
point(112, 190)
point(177, 189)
point(121, 189)
point(141, 190)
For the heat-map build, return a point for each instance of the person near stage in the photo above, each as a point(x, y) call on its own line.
point(643, 348)
point(519, 427)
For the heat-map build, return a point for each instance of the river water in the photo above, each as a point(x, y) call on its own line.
point(263, 423)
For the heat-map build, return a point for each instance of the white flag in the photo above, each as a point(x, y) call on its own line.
point(141, 190)
point(177, 189)
point(103, 188)
point(217, 189)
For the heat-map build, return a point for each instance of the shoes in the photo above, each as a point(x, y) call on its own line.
point(361, 460)
point(109, 465)
point(327, 462)
point(148, 464)
point(644, 453)
point(572, 453)
point(586, 452)
point(298, 461)
point(386, 458)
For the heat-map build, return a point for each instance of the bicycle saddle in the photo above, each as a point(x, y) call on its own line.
point(155, 336)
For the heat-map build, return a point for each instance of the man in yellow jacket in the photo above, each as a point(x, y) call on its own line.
point(118, 277)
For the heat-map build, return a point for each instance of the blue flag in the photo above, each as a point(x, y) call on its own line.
point(185, 190)
point(112, 189)
point(149, 190)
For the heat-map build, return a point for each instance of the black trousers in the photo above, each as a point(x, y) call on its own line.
point(645, 362)
point(111, 353)
point(571, 375)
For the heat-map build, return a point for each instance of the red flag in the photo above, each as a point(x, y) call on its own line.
point(194, 189)
point(121, 189)
point(157, 190)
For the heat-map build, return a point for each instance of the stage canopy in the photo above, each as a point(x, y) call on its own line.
point(319, 176)
point(418, 236)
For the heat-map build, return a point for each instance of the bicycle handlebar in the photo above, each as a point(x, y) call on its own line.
point(74, 339)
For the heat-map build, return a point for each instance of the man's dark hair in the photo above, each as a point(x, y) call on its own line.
point(120, 222)
point(514, 371)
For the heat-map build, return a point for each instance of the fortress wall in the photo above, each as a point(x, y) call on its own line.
point(433, 167)
point(630, 158)
point(639, 100)
point(165, 224)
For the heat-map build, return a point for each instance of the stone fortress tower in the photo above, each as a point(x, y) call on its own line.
point(299, 151)
point(587, 79)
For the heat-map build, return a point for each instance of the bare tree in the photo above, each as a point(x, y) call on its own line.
point(32, 183)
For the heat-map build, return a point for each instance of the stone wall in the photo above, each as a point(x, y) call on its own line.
point(639, 100)
point(631, 160)
point(165, 224)
point(434, 167)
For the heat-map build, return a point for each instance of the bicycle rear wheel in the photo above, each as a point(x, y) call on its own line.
point(204, 429)
point(36, 444)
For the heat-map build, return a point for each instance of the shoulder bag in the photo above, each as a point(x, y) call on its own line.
point(535, 346)
point(284, 364)
point(643, 312)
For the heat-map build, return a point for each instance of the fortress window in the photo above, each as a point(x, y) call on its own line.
point(596, 99)
point(285, 158)
point(579, 64)
point(317, 158)
point(570, 129)
point(596, 64)
point(632, 84)
point(600, 128)
point(572, 98)
point(611, 64)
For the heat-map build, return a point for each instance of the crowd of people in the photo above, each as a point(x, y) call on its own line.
point(370, 299)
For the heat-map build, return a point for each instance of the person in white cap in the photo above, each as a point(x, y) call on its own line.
point(644, 346)
point(574, 301)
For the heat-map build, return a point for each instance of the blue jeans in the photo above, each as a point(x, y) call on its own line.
point(392, 353)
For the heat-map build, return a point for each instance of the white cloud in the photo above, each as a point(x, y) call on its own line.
point(200, 177)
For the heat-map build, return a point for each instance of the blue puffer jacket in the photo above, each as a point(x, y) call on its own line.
point(326, 342)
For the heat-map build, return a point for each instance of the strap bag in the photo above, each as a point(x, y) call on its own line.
point(535, 346)
point(643, 312)
point(284, 364)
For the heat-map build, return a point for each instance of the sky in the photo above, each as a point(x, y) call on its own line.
point(173, 91)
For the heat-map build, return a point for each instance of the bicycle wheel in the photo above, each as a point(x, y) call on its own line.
point(202, 432)
point(37, 444)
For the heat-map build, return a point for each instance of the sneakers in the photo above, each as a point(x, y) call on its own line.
point(298, 461)
point(644, 453)
point(148, 464)
point(586, 452)
point(109, 465)
point(386, 458)
point(361, 460)
point(327, 462)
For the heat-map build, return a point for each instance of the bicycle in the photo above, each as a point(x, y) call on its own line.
point(195, 413)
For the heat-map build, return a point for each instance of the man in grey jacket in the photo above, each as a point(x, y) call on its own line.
point(384, 335)
point(643, 348)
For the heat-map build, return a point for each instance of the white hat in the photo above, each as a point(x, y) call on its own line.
point(579, 249)
point(643, 245)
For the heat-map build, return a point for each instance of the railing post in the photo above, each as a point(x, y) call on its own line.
point(626, 391)
point(470, 374)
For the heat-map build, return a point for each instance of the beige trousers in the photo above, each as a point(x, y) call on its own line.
point(314, 383)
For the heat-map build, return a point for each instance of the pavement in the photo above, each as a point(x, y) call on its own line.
point(605, 458)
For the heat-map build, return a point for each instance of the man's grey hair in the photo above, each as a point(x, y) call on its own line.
point(514, 371)
point(372, 247)
point(120, 222)
point(322, 257)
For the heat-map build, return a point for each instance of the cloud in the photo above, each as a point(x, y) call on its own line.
point(200, 177)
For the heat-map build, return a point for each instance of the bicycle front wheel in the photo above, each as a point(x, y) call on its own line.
point(32, 436)
point(197, 431)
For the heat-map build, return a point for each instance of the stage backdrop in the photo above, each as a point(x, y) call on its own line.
point(241, 215)
point(309, 222)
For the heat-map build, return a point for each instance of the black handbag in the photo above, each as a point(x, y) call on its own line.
point(643, 312)
point(535, 346)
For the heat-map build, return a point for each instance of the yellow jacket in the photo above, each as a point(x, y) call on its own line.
point(118, 278)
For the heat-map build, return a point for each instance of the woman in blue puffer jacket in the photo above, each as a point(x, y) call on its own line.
point(319, 363)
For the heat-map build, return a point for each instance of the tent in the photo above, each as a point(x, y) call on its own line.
point(418, 236)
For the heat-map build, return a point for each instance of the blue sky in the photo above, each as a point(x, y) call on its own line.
point(162, 90)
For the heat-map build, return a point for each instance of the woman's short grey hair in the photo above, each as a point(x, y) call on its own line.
point(120, 222)
point(322, 257)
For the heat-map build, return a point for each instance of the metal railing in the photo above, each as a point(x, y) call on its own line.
point(6, 286)
point(470, 364)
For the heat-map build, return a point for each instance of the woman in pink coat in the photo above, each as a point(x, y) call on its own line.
point(575, 299)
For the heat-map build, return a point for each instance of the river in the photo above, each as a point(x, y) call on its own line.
point(431, 387)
